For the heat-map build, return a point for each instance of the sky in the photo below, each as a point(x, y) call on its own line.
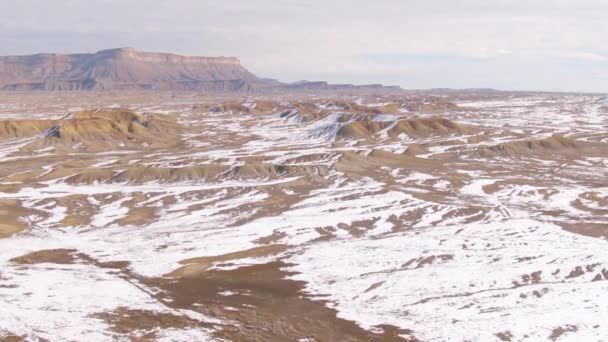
point(559, 45)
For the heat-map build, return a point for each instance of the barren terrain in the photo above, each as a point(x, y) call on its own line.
point(414, 217)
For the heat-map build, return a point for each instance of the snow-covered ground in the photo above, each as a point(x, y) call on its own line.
point(432, 251)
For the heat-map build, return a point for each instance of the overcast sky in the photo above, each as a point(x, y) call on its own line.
point(514, 44)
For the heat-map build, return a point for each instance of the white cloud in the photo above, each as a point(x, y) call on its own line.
point(585, 56)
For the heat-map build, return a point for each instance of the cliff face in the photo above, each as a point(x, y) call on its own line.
point(123, 69)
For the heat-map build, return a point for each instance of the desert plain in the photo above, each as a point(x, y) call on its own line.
point(413, 216)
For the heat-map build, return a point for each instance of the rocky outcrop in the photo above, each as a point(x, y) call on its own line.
point(95, 130)
point(414, 127)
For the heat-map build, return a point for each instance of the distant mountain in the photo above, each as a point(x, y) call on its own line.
point(322, 85)
point(129, 69)
point(122, 69)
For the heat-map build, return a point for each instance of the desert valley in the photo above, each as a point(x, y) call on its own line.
point(155, 197)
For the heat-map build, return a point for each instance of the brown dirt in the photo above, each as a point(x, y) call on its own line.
point(269, 307)
point(8, 337)
point(55, 256)
point(559, 331)
point(195, 266)
point(11, 215)
point(125, 321)
point(598, 230)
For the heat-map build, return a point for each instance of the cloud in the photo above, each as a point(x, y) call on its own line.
point(585, 56)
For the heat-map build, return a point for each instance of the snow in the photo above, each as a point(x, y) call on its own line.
point(465, 266)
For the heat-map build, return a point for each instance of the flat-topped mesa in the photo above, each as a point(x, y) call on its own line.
point(129, 69)
point(157, 57)
point(120, 53)
point(124, 69)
